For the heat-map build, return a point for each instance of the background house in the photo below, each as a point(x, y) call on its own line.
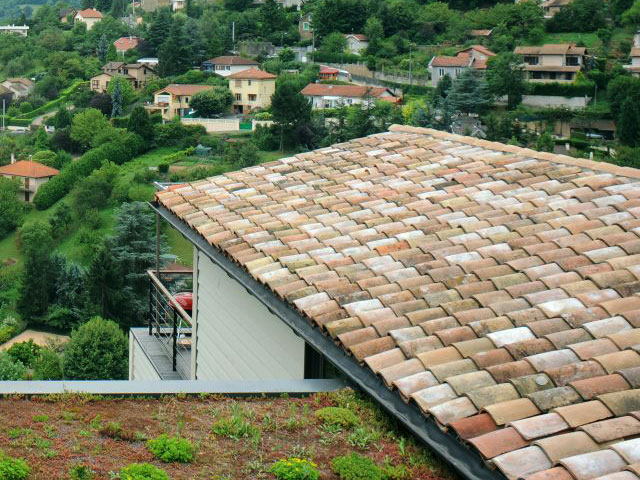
point(552, 7)
point(137, 73)
point(634, 68)
point(304, 27)
point(332, 96)
point(228, 65)
point(32, 176)
point(22, 30)
point(174, 100)
point(89, 16)
point(64, 13)
point(475, 57)
point(356, 43)
point(251, 89)
point(124, 44)
point(19, 87)
point(552, 62)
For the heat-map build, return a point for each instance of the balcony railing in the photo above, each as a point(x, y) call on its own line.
point(169, 322)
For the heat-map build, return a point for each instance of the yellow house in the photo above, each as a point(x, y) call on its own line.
point(89, 16)
point(251, 89)
point(174, 100)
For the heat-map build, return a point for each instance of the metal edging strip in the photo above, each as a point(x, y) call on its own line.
point(465, 461)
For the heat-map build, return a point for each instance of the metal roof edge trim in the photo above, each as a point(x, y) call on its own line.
point(466, 462)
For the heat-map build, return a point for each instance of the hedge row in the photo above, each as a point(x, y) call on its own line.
point(335, 57)
point(567, 90)
point(117, 151)
point(47, 107)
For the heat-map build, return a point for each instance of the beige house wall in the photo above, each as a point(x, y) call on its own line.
point(242, 89)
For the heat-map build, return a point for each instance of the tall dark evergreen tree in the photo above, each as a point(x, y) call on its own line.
point(116, 101)
point(174, 56)
point(103, 48)
point(629, 124)
point(159, 30)
point(290, 111)
point(470, 94)
point(140, 123)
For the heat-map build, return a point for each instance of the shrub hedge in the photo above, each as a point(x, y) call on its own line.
point(115, 151)
point(567, 90)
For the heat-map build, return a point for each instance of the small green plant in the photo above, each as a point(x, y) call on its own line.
point(337, 417)
point(13, 468)
point(356, 467)
point(363, 437)
point(80, 472)
point(40, 418)
point(114, 430)
point(396, 472)
point(171, 449)
point(143, 471)
point(295, 469)
point(236, 426)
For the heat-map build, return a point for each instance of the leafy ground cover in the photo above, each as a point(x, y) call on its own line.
point(231, 438)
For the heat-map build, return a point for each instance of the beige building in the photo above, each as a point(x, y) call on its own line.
point(356, 43)
point(305, 28)
point(32, 176)
point(251, 89)
point(552, 7)
point(89, 16)
point(138, 75)
point(174, 99)
point(552, 62)
point(19, 87)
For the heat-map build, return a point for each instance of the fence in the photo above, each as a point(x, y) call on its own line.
point(223, 125)
point(360, 73)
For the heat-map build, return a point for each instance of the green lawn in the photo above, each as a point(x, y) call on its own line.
point(590, 40)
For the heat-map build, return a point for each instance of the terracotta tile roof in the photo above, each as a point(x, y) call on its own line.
point(493, 286)
point(480, 48)
point(89, 13)
point(481, 32)
point(552, 49)
point(183, 89)
point(358, 91)
point(124, 44)
point(358, 36)
point(461, 60)
point(24, 168)
point(253, 74)
point(231, 60)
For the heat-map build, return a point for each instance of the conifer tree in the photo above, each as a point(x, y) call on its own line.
point(116, 101)
point(103, 48)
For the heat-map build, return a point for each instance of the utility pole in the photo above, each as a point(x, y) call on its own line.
point(410, 66)
point(233, 35)
point(4, 100)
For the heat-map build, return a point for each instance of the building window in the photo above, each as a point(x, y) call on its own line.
point(238, 83)
point(238, 97)
point(95, 84)
point(530, 60)
point(441, 72)
point(227, 67)
point(253, 97)
point(552, 75)
point(219, 67)
point(536, 75)
point(249, 82)
point(306, 27)
point(186, 99)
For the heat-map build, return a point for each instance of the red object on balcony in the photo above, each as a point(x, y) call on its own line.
point(185, 300)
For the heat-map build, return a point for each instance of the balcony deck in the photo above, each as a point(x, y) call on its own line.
point(157, 355)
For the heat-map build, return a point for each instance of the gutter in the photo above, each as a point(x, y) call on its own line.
point(463, 460)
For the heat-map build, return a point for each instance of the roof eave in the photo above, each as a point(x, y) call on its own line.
point(465, 461)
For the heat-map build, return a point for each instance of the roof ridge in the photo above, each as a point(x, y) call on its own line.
point(521, 151)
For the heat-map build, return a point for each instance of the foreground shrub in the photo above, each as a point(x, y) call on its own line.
point(13, 468)
point(80, 472)
point(10, 370)
point(236, 426)
point(25, 352)
point(171, 449)
point(337, 417)
point(295, 469)
point(47, 366)
point(356, 467)
point(143, 471)
point(98, 350)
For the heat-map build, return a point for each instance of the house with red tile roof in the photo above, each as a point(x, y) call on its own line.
point(88, 16)
point(552, 7)
point(475, 57)
point(331, 96)
point(356, 43)
point(32, 175)
point(485, 294)
point(552, 62)
point(138, 74)
point(251, 89)
point(634, 67)
point(328, 73)
point(124, 44)
point(228, 65)
point(173, 100)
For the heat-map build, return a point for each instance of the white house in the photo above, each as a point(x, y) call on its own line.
point(89, 17)
point(475, 57)
point(228, 65)
point(22, 30)
point(634, 67)
point(331, 96)
point(356, 43)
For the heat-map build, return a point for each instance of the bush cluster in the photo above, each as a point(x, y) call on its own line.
point(13, 468)
point(295, 469)
point(171, 449)
point(356, 467)
point(143, 471)
point(337, 417)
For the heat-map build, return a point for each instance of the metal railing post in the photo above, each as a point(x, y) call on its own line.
point(150, 307)
point(175, 339)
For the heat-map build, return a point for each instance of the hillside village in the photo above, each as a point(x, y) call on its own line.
point(434, 203)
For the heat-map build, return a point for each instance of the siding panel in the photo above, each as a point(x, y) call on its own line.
point(237, 336)
point(140, 366)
